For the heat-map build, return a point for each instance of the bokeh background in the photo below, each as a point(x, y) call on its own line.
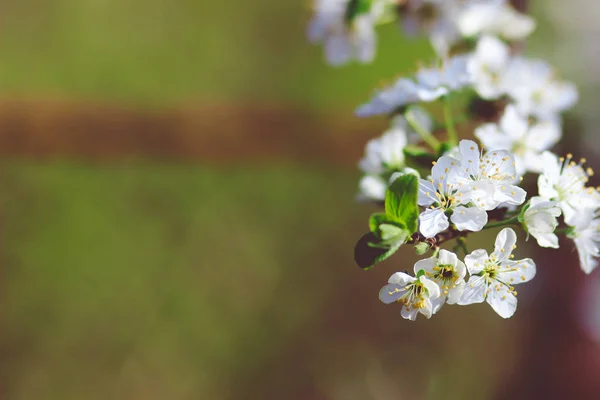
point(177, 216)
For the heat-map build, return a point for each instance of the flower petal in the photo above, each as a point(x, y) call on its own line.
point(372, 187)
point(515, 272)
point(509, 194)
point(492, 137)
point(433, 289)
point(476, 261)
point(469, 218)
point(426, 265)
point(469, 152)
point(505, 241)
point(455, 294)
point(427, 193)
point(474, 291)
point(427, 309)
point(409, 313)
point(548, 240)
point(502, 300)
point(437, 303)
point(447, 257)
point(391, 293)
point(401, 278)
point(432, 222)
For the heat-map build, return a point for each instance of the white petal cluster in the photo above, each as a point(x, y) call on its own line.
point(586, 235)
point(492, 277)
point(495, 18)
point(474, 43)
point(465, 187)
point(448, 21)
point(441, 197)
point(489, 179)
point(345, 40)
point(448, 272)
point(540, 221)
point(526, 140)
point(441, 279)
point(385, 155)
point(415, 294)
point(530, 84)
point(535, 89)
point(564, 181)
point(429, 84)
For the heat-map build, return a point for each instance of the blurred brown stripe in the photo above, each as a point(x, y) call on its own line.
point(53, 129)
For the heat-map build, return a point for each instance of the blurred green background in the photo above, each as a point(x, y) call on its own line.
point(162, 279)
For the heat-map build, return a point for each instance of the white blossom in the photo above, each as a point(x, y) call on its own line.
point(372, 187)
point(414, 294)
point(487, 67)
point(493, 276)
point(586, 235)
point(496, 18)
point(487, 180)
point(345, 40)
point(562, 180)
point(385, 155)
point(441, 197)
point(385, 152)
point(540, 221)
point(435, 18)
point(448, 272)
point(535, 89)
point(526, 141)
point(429, 84)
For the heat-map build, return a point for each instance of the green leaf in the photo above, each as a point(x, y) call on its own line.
point(370, 250)
point(401, 201)
point(392, 233)
point(383, 226)
point(377, 219)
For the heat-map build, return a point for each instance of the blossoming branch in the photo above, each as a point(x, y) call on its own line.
point(435, 188)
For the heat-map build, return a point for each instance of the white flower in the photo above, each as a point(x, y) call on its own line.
point(448, 272)
point(344, 40)
point(492, 277)
point(428, 85)
point(488, 180)
point(563, 181)
point(387, 151)
point(441, 197)
point(414, 294)
point(372, 187)
point(487, 67)
point(536, 91)
point(540, 221)
point(526, 141)
point(494, 17)
point(436, 18)
point(586, 235)
point(385, 155)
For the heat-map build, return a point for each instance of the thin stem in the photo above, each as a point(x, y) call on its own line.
point(452, 136)
point(461, 243)
point(511, 221)
point(427, 136)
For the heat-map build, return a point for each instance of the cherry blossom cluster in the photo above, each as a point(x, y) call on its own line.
point(437, 189)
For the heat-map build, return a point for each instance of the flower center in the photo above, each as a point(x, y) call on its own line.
point(414, 296)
